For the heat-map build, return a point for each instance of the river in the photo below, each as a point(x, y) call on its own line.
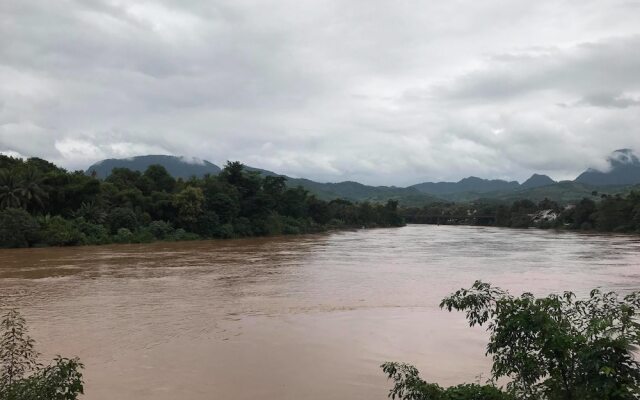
point(305, 317)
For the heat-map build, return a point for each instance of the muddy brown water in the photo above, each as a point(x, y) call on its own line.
point(306, 317)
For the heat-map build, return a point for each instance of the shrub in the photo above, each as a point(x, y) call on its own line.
point(242, 227)
point(273, 225)
point(17, 228)
point(142, 235)
point(557, 346)
point(409, 386)
point(160, 229)
point(293, 226)
point(57, 231)
point(207, 224)
point(124, 235)
point(181, 234)
point(225, 231)
point(122, 217)
point(93, 233)
point(22, 377)
point(550, 348)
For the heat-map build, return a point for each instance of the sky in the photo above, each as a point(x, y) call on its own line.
point(389, 92)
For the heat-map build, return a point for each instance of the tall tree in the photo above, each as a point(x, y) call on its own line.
point(17, 354)
point(11, 195)
point(32, 189)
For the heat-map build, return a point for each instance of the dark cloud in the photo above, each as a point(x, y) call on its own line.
point(377, 91)
point(606, 66)
point(609, 100)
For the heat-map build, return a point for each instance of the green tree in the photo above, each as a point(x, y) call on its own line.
point(22, 377)
point(409, 386)
point(160, 229)
point(78, 209)
point(274, 186)
point(17, 353)
point(11, 195)
point(550, 348)
point(122, 217)
point(161, 180)
point(62, 380)
point(582, 216)
point(614, 213)
point(224, 206)
point(17, 228)
point(189, 203)
point(207, 224)
point(57, 231)
point(558, 347)
point(90, 212)
point(125, 178)
point(32, 189)
point(233, 173)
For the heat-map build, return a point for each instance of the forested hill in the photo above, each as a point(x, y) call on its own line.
point(623, 171)
point(41, 204)
point(178, 167)
point(182, 167)
point(470, 184)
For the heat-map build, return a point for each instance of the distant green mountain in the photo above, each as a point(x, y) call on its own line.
point(179, 167)
point(562, 192)
point(473, 187)
point(537, 180)
point(624, 170)
point(355, 191)
point(358, 192)
point(184, 168)
point(470, 184)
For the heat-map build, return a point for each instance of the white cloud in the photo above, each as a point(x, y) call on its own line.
point(376, 91)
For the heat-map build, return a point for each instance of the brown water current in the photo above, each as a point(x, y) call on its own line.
point(307, 317)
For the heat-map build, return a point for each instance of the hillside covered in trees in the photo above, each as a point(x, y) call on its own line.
point(598, 212)
point(623, 173)
point(185, 167)
point(41, 204)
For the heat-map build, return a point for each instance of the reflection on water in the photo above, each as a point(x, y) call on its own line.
point(308, 317)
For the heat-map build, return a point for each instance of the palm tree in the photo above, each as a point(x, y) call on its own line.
point(90, 212)
point(10, 191)
point(32, 189)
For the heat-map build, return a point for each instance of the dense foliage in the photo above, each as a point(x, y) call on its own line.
point(551, 348)
point(22, 377)
point(41, 204)
point(605, 213)
point(409, 386)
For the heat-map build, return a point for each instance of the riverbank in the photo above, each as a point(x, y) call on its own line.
point(42, 204)
point(162, 232)
point(620, 214)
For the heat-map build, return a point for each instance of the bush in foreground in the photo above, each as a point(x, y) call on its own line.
point(551, 348)
point(22, 377)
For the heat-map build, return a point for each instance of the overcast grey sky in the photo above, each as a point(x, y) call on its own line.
point(383, 92)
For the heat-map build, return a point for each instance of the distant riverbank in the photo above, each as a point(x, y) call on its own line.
point(598, 214)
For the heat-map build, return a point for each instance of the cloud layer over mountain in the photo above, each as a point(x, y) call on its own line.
point(375, 91)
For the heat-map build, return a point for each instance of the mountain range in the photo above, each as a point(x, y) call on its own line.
point(178, 167)
point(623, 171)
